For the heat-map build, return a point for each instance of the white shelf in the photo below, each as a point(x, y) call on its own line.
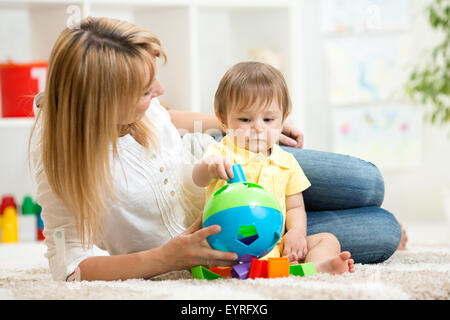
point(201, 38)
point(16, 122)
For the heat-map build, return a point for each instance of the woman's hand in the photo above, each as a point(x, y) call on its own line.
point(190, 249)
point(291, 136)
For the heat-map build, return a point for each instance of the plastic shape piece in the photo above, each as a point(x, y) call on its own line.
point(258, 269)
point(248, 240)
point(240, 270)
point(308, 269)
point(278, 267)
point(223, 271)
point(200, 272)
point(238, 173)
point(247, 231)
point(246, 258)
point(303, 269)
point(296, 270)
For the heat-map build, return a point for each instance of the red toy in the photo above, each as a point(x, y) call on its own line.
point(258, 269)
point(19, 83)
point(7, 201)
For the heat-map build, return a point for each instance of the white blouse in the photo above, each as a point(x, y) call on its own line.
point(157, 197)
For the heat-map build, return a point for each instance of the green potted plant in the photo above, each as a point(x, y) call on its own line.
point(429, 84)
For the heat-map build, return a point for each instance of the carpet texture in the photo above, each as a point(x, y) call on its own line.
point(420, 272)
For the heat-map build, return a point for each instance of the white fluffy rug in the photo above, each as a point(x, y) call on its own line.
point(420, 272)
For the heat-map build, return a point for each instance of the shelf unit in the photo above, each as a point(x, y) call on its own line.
point(201, 38)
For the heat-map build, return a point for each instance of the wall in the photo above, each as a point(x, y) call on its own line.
point(411, 193)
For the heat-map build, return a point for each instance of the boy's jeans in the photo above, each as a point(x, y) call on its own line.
point(344, 199)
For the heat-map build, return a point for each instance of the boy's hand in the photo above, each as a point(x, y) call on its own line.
point(219, 167)
point(294, 246)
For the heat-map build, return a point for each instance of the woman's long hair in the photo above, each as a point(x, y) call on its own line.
point(96, 76)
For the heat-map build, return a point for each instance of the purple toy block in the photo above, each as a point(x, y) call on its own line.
point(241, 270)
point(247, 258)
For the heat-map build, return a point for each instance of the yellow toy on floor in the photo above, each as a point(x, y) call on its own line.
point(9, 225)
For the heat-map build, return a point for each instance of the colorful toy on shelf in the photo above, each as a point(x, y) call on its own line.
point(19, 82)
point(8, 219)
point(28, 220)
point(28, 206)
point(7, 201)
point(40, 223)
point(249, 216)
point(20, 225)
point(9, 225)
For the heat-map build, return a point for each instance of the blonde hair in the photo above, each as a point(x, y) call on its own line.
point(247, 83)
point(96, 75)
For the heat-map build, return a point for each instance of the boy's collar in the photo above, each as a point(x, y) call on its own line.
point(243, 156)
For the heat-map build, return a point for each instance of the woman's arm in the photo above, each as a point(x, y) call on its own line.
point(144, 264)
point(187, 121)
point(184, 251)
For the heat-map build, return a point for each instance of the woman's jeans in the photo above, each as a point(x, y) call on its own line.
point(344, 199)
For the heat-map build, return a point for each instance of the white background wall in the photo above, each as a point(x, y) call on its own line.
point(413, 193)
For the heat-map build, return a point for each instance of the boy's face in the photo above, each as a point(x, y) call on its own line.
point(255, 128)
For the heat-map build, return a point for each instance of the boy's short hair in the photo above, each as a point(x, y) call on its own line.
point(246, 82)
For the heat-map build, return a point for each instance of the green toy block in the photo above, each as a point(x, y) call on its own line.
point(296, 270)
point(303, 269)
point(247, 231)
point(308, 269)
point(200, 272)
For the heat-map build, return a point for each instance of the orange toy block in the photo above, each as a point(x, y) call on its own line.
point(278, 267)
point(223, 271)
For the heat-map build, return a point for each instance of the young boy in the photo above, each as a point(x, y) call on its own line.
point(252, 102)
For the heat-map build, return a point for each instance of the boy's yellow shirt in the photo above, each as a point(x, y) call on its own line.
point(278, 173)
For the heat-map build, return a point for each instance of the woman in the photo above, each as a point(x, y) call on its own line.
point(111, 169)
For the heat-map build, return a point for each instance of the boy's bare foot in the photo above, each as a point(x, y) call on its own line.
point(337, 265)
point(403, 240)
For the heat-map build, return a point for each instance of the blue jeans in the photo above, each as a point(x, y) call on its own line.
point(344, 199)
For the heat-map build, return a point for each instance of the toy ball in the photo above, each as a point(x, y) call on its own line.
point(249, 216)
